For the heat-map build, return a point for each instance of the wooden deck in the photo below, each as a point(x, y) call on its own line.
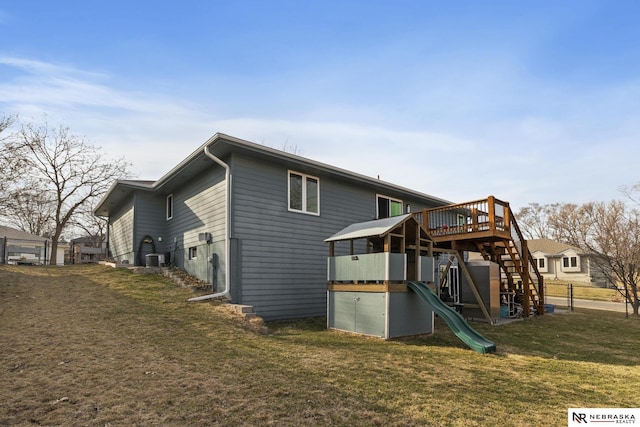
point(487, 226)
point(481, 220)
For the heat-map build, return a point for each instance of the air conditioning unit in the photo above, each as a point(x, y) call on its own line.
point(154, 260)
point(204, 237)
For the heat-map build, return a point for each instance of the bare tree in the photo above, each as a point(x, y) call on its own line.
point(534, 220)
point(6, 121)
point(611, 233)
point(91, 225)
point(32, 210)
point(65, 167)
point(632, 192)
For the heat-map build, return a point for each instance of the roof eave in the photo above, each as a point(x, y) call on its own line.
point(219, 138)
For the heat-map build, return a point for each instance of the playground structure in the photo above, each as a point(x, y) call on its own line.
point(384, 279)
point(368, 266)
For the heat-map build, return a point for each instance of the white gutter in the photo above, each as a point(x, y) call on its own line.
point(227, 226)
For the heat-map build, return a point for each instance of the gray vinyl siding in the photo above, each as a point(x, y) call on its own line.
point(121, 234)
point(149, 218)
point(278, 258)
point(282, 265)
point(198, 207)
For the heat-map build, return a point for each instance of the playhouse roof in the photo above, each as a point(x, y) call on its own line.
point(375, 228)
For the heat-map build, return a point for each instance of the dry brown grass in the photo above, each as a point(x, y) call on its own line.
point(95, 346)
point(559, 288)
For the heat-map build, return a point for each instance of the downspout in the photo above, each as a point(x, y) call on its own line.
point(227, 226)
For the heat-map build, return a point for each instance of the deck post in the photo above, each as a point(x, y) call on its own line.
point(526, 280)
point(507, 217)
point(425, 218)
point(492, 212)
point(541, 294)
point(474, 288)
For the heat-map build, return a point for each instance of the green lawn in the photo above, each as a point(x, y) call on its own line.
point(91, 345)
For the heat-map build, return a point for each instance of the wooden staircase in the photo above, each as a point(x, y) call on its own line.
point(524, 282)
point(488, 227)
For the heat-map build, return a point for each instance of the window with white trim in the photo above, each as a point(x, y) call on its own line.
point(387, 207)
point(169, 209)
point(570, 263)
point(304, 193)
point(193, 252)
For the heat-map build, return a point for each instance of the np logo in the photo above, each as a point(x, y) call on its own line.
point(579, 417)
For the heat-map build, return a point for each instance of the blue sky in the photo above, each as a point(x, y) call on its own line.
point(530, 101)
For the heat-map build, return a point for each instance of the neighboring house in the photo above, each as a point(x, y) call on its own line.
point(559, 261)
point(88, 249)
point(19, 247)
point(249, 219)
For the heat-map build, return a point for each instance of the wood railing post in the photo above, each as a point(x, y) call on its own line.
point(492, 212)
point(425, 219)
point(474, 219)
point(507, 217)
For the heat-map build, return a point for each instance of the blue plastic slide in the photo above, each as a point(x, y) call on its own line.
point(455, 321)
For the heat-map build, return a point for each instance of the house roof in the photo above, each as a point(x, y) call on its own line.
point(375, 228)
point(87, 239)
point(549, 247)
point(221, 146)
point(13, 233)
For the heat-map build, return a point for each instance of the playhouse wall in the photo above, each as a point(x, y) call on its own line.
point(381, 314)
point(360, 312)
point(426, 269)
point(368, 267)
point(408, 315)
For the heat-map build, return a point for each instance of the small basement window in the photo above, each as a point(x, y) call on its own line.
point(193, 252)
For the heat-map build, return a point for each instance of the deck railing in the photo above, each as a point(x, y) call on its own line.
point(480, 216)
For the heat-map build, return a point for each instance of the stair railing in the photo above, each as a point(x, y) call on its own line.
point(529, 266)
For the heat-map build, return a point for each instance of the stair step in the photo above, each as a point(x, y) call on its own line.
point(242, 309)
